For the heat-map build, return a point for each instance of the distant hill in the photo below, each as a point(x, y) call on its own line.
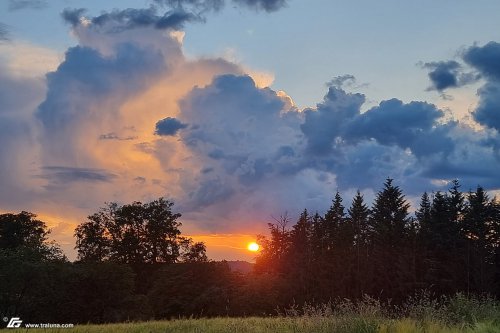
point(243, 267)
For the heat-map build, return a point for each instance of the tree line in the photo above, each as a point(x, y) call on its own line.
point(451, 244)
point(134, 264)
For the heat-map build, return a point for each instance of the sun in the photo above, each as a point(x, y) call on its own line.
point(254, 247)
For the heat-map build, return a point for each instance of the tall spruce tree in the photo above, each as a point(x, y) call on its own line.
point(479, 225)
point(423, 213)
point(300, 260)
point(358, 215)
point(332, 220)
point(389, 221)
point(335, 247)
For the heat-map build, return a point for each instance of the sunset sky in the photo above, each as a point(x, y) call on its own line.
point(241, 110)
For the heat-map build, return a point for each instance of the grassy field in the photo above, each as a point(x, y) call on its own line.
point(279, 325)
point(419, 314)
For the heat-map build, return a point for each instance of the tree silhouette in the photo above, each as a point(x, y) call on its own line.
point(389, 221)
point(358, 218)
point(135, 233)
point(24, 233)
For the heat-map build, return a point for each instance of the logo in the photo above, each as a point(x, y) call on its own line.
point(14, 322)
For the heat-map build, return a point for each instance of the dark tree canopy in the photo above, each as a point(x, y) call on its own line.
point(23, 232)
point(136, 233)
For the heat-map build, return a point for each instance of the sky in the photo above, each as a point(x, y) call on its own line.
point(242, 110)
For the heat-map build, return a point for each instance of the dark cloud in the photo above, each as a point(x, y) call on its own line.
point(178, 13)
point(199, 6)
point(488, 110)
point(413, 125)
point(216, 5)
point(27, 4)
point(73, 15)
point(340, 81)
point(267, 5)
point(4, 32)
point(448, 74)
point(59, 175)
point(443, 74)
point(338, 120)
point(324, 124)
point(136, 18)
point(114, 136)
point(131, 18)
point(486, 59)
point(169, 126)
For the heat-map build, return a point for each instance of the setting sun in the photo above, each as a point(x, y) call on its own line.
point(254, 247)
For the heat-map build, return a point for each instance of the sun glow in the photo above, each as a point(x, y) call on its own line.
point(254, 247)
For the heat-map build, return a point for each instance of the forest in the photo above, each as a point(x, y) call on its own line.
point(134, 264)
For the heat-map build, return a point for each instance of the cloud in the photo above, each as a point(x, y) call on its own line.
point(267, 5)
point(73, 16)
point(485, 63)
point(175, 14)
point(59, 175)
point(199, 6)
point(448, 74)
point(169, 126)
point(340, 81)
point(324, 124)
point(413, 125)
point(485, 59)
point(4, 32)
point(19, 96)
point(202, 6)
point(114, 136)
point(488, 111)
point(130, 18)
point(27, 4)
point(236, 127)
point(443, 74)
point(338, 120)
point(81, 86)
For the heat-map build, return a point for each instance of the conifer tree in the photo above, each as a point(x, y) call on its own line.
point(358, 218)
point(423, 213)
point(479, 225)
point(300, 259)
point(332, 220)
point(389, 221)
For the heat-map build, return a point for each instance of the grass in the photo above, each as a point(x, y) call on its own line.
point(280, 325)
point(420, 314)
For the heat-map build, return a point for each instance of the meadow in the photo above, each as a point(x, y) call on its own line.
point(281, 324)
point(419, 314)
